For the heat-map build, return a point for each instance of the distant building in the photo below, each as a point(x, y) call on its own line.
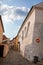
point(14, 43)
point(30, 34)
point(6, 40)
point(4, 37)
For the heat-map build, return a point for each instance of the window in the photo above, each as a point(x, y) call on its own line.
point(25, 32)
point(19, 36)
point(27, 28)
point(22, 35)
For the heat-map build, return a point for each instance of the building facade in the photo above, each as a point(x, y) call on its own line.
point(4, 47)
point(14, 43)
point(6, 43)
point(30, 34)
point(1, 29)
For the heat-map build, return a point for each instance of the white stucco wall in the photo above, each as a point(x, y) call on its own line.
point(29, 47)
point(27, 41)
point(38, 33)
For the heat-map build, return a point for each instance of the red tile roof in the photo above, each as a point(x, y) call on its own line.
point(4, 37)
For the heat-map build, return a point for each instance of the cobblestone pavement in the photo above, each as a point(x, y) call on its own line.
point(14, 58)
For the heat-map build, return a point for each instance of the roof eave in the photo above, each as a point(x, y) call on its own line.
point(25, 19)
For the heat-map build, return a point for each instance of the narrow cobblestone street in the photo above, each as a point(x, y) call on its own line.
point(14, 58)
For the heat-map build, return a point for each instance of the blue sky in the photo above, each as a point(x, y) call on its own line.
point(13, 13)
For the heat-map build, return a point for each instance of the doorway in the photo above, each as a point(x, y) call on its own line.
point(1, 50)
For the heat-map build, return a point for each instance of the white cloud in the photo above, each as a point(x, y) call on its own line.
point(5, 0)
point(13, 13)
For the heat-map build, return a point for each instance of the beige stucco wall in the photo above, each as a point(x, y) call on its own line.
point(6, 50)
point(1, 32)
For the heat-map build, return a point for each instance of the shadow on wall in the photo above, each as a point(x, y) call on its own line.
point(27, 51)
point(32, 47)
point(28, 54)
point(38, 33)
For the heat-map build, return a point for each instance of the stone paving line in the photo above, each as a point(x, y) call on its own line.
point(14, 58)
